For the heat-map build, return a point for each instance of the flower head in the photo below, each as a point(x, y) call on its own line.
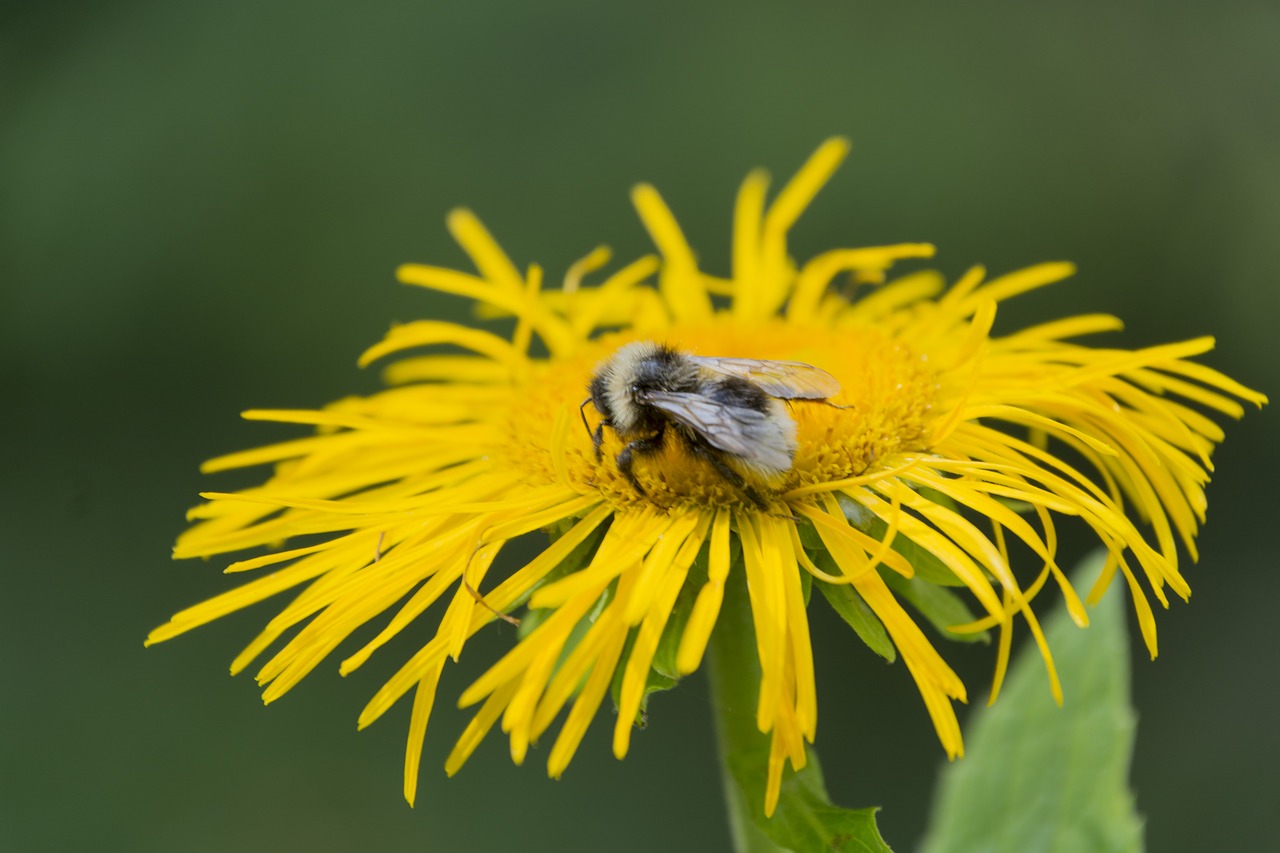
point(944, 445)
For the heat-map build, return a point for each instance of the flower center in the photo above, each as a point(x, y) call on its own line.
point(885, 404)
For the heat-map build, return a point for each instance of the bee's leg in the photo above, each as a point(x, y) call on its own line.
point(597, 439)
point(643, 446)
point(716, 458)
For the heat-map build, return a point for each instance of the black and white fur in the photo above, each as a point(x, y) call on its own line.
point(720, 414)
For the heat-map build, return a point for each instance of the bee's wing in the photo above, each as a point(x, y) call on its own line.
point(760, 441)
point(786, 380)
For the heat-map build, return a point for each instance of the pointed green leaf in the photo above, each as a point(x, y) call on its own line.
point(844, 600)
point(1040, 777)
point(576, 559)
point(615, 684)
point(663, 674)
point(664, 657)
point(937, 604)
point(927, 566)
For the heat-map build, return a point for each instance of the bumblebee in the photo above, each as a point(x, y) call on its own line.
point(727, 411)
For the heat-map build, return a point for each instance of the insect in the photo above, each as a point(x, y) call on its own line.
point(727, 411)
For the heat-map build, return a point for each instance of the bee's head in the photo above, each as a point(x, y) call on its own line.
point(619, 386)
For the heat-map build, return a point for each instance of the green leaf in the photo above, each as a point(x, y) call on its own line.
point(1040, 777)
point(664, 657)
point(927, 566)
point(844, 600)
point(663, 674)
point(1020, 507)
point(937, 604)
point(530, 621)
point(576, 559)
point(805, 818)
point(615, 685)
point(938, 497)
point(655, 681)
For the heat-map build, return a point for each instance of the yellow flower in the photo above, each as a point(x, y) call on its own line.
point(944, 441)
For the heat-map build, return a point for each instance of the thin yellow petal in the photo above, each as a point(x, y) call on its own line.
point(801, 189)
point(766, 592)
point(748, 215)
point(421, 333)
point(707, 606)
point(584, 709)
point(423, 700)
point(816, 275)
point(479, 726)
point(658, 612)
point(681, 286)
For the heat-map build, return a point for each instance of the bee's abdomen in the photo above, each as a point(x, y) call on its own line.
point(738, 393)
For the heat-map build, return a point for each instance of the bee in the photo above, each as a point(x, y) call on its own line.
point(727, 411)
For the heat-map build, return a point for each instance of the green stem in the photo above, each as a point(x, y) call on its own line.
point(735, 687)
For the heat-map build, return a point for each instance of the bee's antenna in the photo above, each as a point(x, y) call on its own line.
point(582, 410)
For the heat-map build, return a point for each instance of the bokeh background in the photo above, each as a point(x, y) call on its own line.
point(202, 206)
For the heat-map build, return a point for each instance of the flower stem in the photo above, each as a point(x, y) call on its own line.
point(735, 685)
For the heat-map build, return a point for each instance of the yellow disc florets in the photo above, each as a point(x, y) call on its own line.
point(886, 400)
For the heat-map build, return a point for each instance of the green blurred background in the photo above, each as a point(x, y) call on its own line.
point(202, 207)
